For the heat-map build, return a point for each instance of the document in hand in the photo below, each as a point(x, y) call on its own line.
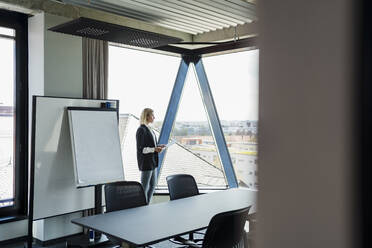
point(170, 143)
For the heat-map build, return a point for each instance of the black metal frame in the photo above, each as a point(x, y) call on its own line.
point(19, 22)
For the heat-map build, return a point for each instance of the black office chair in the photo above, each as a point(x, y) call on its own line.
point(123, 195)
point(225, 230)
point(182, 186)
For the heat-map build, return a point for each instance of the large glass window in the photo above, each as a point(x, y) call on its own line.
point(233, 80)
point(7, 141)
point(139, 80)
point(13, 114)
point(195, 152)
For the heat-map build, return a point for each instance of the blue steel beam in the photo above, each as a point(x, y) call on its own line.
point(215, 122)
point(173, 104)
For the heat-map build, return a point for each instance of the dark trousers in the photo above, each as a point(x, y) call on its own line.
point(148, 181)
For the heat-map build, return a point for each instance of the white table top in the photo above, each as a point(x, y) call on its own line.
point(152, 223)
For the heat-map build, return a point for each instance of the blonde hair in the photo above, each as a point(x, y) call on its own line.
point(145, 113)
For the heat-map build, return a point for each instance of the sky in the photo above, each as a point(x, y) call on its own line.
point(233, 79)
point(6, 71)
point(142, 79)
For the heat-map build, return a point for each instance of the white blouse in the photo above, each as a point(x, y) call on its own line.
point(147, 150)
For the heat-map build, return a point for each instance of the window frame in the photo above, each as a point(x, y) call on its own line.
point(18, 22)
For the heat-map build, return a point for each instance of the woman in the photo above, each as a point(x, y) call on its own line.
point(147, 152)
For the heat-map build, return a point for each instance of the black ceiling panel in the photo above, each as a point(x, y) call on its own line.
point(94, 29)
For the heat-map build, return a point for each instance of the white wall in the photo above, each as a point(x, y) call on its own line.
point(62, 77)
point(57, 227)
point(306, 124)
point(36, 27)
point(63, 61)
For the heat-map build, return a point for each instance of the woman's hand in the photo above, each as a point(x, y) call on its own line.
point(158, 149)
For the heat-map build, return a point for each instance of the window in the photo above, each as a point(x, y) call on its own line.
point(142, 79)
point(233, 80)
point(139, 80)
point(7, 117)
point(13, 114)
point(196, 151)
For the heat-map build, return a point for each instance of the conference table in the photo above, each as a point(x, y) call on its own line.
point(152, 223)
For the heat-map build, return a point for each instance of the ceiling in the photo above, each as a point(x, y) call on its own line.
point(189, 16)
point(196, 22)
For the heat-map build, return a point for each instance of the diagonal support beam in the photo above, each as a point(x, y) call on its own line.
point(172, 109)
point(210, 107)
point(215, 123)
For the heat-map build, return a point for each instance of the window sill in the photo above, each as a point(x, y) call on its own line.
point(12, 219)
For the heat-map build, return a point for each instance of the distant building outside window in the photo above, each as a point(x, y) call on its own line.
point(233, 79)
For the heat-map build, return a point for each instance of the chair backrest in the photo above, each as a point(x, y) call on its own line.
point(226, 230)
point(181, 186)
point(123, 195)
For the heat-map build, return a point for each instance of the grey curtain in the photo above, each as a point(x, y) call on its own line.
point(95, 68)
